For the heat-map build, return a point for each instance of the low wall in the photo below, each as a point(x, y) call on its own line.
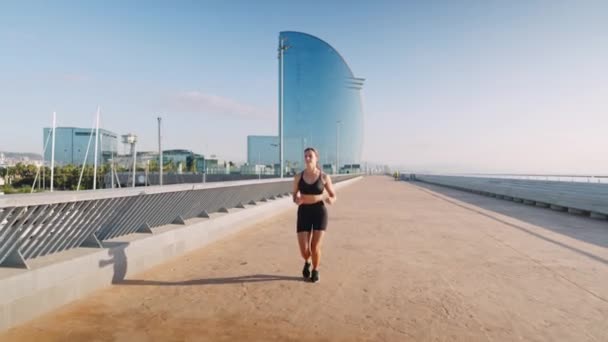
point(60, 278)
point(590, 199)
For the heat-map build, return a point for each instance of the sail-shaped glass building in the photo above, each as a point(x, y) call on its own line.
point(321, 103)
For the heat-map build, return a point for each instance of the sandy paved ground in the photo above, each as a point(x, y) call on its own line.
point(401, 263)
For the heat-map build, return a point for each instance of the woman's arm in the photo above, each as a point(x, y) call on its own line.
point(297, 197)
point(331, 199)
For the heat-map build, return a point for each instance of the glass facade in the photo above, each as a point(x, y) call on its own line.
point(262, 150)
point(321, 103)
point(71, 145)
point(188, 160)
point(177, 157)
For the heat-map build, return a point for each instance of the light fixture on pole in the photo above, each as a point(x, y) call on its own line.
point(282, 49)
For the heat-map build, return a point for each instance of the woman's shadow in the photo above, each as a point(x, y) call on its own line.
point(255, 278)
point(119, 261)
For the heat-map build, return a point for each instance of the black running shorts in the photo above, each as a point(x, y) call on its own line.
point(312, 217)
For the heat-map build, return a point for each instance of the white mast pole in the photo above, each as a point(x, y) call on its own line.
point(46, 144)
point(86, 155)
point(95, 157)
point(112, 168)
point(53, 151)
point(134, 163)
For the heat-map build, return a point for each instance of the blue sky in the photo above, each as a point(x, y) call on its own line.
point(459, 86)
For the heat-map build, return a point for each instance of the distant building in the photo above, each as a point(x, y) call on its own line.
point(8, 159)
point(143, 158)
point(350, 168)
point(185, 160)
point(214, 165)
point(321, 103)
point(177, 157)
point(188, 160)
point(253, 169)
point(329, 168)
point(71, 145)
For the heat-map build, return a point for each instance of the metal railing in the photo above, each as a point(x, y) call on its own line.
point(36, 225)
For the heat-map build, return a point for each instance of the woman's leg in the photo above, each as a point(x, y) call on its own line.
point(304, 242)
point(315, 246)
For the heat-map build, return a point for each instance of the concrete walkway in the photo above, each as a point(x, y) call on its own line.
point(401, 262)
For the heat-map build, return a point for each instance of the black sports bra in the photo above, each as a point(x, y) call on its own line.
point(315, 188)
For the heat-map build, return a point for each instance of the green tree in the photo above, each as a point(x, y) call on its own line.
point(153, 165)
point(24, 174)
point(19, 170)
point(170, 166)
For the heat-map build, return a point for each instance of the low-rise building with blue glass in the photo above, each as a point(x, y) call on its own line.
point(71, 145)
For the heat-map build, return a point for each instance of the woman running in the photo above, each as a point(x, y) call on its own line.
point(308, 194)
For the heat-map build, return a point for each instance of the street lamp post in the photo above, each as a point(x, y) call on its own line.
point(53, 152)
point(282, 49)
point(275, 145)
point(160, 155)
point(304, 146)
point(338, 146)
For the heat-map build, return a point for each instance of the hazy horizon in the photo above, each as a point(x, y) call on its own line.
point(467, 86)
